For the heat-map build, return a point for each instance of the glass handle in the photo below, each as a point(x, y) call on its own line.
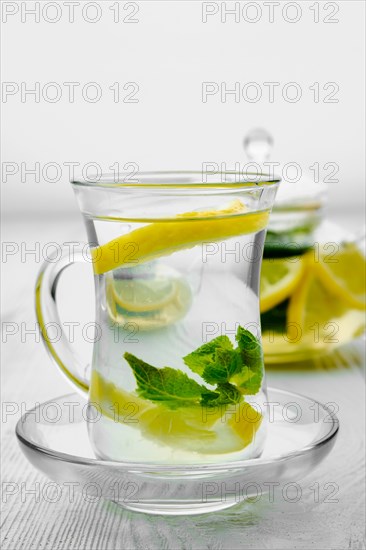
point(47, 315)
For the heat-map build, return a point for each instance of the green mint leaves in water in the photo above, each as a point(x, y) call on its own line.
point(234, 371)
point(217, 362)
point(171, 386)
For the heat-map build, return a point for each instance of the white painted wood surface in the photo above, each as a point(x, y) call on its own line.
point(28, 377)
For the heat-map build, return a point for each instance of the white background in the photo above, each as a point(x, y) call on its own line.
point(169, 52)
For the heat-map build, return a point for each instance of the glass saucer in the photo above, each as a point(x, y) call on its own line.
point(54, 438)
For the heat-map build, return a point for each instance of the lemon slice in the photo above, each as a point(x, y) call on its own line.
point(344, 273)
point(279, 278)
point(139, 295)
point(150, 298)
point(220, 432)
point(319, 317)
point(184, 231)
point(279, 348)
point(197, 429)
point(235, 207)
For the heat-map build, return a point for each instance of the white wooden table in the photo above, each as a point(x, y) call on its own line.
point(331, 518)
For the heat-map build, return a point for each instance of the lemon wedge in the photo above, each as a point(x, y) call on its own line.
point(344, 273)
point(185, 231)
point(323, 317)
point(279, 278)
point(214, 430)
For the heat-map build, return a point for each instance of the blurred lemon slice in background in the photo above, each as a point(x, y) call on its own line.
point(279, 278)
point(322, 307)
point(344, 273)
point(322, 316)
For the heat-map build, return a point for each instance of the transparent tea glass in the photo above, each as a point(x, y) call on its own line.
point(177, 374)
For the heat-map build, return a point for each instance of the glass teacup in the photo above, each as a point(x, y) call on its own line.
point(177, 375)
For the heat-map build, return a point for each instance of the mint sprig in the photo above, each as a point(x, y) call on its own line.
point(218, 362)
point(234, 372)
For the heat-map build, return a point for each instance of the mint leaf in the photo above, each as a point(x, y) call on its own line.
point(225, 364)
point(249, 379)
point(225, 394)
point(205, 355)
point(219, 363)
point(165, 384)
point(250, 348)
